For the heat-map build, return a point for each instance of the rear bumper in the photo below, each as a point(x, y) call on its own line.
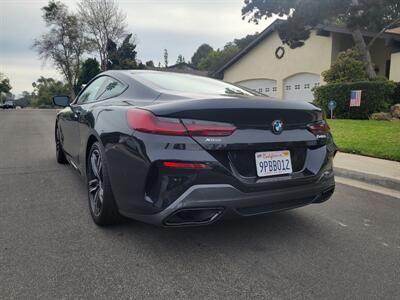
point(225, 201)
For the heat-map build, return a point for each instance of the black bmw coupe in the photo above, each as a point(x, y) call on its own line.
point(174, 149)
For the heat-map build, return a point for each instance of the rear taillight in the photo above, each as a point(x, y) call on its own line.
point(202, 128)
point(318, 128)
point(145, 121)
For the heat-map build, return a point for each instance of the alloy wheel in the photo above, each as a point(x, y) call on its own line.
point(58, 140)
point(95, 185)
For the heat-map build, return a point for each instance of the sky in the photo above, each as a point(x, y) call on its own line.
point(180, 26)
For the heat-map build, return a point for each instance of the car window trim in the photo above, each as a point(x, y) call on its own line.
point(101, 88)
point(116, 95)
point(75, 102)
point(86, 87)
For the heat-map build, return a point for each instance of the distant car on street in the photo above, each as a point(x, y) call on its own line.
point(8, 105)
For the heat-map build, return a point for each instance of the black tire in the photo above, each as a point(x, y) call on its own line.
point(102, 204)
point(60, 155)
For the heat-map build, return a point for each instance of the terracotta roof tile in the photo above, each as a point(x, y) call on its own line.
point(394, 30)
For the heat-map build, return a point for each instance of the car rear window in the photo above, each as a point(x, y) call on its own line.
point(193, 84)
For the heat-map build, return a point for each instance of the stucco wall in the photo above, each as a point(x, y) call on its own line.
point(395, 67)
point(313, 57)
point(341, 42)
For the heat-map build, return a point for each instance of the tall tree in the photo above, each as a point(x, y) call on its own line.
point(127, 54)
point(90, 68)
point(150, 64)
point(5, 87)
point(216, 59)
point(112, 53)
point(165, 58)
point(245, 41)
point(45, 89)
point(64, 43)
point(104, 21)
point(201, 53)
point(303, 15)
point(180, 59)
point(124, 56)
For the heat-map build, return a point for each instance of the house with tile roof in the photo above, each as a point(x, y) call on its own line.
point(268, 66)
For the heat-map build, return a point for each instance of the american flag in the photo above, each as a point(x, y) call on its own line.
point(355, 99)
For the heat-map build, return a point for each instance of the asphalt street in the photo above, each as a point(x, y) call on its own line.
point(346, 248)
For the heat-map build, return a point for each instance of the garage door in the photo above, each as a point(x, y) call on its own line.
point(298, 87)
point(265, 86)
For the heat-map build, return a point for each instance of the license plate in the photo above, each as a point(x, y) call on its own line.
point(273, 163)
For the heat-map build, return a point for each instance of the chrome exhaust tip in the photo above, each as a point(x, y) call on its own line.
point(193, 216)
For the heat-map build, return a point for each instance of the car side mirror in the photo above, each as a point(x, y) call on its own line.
point(62, 101)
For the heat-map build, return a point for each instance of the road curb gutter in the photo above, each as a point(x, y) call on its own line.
point(391, 183)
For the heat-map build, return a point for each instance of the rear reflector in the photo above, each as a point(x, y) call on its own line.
point(179, 165)
point(145, 121)
point(318, 128)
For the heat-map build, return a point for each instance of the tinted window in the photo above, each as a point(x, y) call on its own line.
point(110, 88)
point(190, 83)
point(91, 92)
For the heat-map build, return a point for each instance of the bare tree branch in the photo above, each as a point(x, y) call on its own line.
point(379, 34)
point(103, 21)
point(64, 44)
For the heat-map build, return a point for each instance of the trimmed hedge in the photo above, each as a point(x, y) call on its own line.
point(376, 97)
point(395, 97)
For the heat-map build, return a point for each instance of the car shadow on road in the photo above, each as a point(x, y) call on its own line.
point(257, 234)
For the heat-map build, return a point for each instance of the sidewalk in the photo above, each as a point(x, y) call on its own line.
point(371, 170)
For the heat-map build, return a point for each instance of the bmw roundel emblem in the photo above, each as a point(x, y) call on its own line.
point(277, 126)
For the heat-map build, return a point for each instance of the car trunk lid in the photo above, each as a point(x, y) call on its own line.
point(253, 118)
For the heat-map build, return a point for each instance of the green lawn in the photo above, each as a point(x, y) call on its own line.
point(367, 137)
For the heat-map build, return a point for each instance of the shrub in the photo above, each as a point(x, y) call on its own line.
point(376, 97)
point(348, 67)
point(395, 97)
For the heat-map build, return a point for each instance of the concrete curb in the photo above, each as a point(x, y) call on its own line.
point(391, 183)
